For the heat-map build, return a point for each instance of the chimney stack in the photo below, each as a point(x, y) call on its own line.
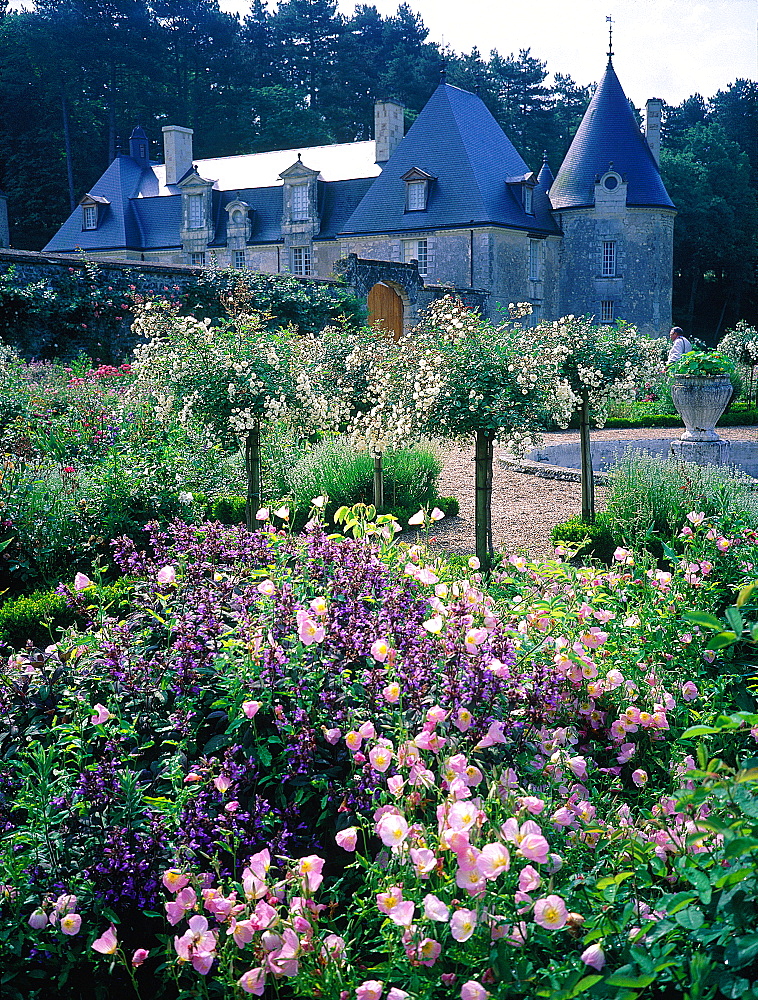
point(389, 128)
point(177, 152)
point(653, 111)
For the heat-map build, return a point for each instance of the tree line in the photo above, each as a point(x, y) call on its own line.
point(77, 75)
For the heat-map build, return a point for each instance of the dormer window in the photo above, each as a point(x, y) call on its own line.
point(92, 205)
point(417, 183)
point(522, 188)
point(528, 199)
point(611, 179)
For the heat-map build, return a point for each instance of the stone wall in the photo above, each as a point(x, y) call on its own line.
point(641, 288)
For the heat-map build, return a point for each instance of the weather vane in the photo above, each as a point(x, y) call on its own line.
point(610, 36)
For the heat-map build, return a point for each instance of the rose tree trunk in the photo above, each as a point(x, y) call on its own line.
point(485, 442)
point(253, 473)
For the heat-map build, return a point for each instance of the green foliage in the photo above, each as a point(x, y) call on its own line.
point(649, 498)
point(596, 540)
point(279, 299)
point(39, 617)
point(704, 364)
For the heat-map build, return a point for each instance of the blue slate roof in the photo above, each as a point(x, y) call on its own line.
point(458, 142)
point(608, 134)
point(118, 224)
point(545, 176)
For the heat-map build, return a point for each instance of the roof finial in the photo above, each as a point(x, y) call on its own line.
point(610, 38)
point(544, 156)
point(299, 157)
point(443, 71)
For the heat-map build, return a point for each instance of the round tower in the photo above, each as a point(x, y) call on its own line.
point(616, 217)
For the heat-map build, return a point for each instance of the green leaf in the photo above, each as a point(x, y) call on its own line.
point(216, 742)
point(679, 901)
point(691, 918)
point(626, 976)
point(735, 619)
point(741, 951)
point(694, 731)
point(585, 984)
point(669, 553)
point(746, 593)
point(733, 877)
point(613, 880)
point(740, 845)
point(703, 620)
point(722, 640)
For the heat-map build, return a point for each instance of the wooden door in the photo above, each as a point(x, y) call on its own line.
point(385, 310)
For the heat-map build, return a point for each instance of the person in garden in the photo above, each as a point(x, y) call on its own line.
point(679, 345)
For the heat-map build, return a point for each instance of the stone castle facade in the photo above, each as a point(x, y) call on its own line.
point(450, 205)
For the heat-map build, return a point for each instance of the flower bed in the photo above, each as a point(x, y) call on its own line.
point(332, 766)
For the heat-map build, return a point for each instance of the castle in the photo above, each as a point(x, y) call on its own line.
point(449, 206)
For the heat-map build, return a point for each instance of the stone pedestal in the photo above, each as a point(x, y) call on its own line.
point(709, 452)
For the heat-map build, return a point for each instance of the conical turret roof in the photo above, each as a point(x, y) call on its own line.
point(608, 138)
point(545, 177)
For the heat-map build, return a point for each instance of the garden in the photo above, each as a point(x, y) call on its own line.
point(256, 738)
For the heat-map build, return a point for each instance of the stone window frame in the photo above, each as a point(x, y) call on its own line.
point(607, 311)
point(239, 260)
point(300, 205)
point(197, 258)
point(418, 250)
point(302, 267)
point(609, 266)
point(536, 259)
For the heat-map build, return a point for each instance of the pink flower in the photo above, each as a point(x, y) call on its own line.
point(70, 924)
point(402, 913)
point(310, 868)
point(251, 708)
point(532, 804)
point(253, 981)
point(435, 909)
point(348, 838)
point(354, 740)
point(174, 880)
point(380, 757)
point(424, 861)
point(392, 829)
point(639, 777)
point(578, 766)
point(332, 736)
point(308, 631)
point(494, 860)
point(550, 913)
point(81, 582)
point(38, 919)
point(371, 989)
point(463, 924)
point(166, 575)
point(534, 847)
point(593, 956)
point(398, 994)
point(428, 952)
point(101, 715)
point(473, 990)
point(260, 863)
point(107, 943)
point(391, 695)
point(689, 691)
point(529, 879)
point(494, 735)
point(380, 650)
point(335, 946)
point(139, 957)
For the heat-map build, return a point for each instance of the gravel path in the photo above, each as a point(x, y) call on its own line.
point(526, 507)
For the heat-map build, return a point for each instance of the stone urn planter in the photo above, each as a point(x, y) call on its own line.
point(700, 401)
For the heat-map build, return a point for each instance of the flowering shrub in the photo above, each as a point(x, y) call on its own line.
point(338, 766)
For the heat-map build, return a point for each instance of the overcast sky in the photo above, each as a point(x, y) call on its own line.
point(662, 48)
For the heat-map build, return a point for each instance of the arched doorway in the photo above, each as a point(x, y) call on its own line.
point(385, 309)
